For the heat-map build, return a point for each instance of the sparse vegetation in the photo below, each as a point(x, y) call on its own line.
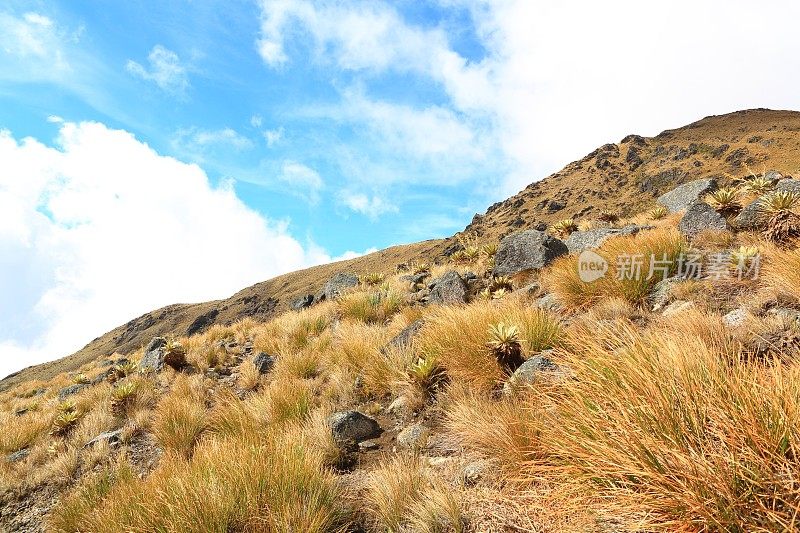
point(783, 222)
point(564, 227)
point(657, 213)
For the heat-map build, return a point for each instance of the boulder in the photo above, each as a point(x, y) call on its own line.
point(404, 338)
point(153, 359)
point(786, 313)
point(448, 289)
point(338, 284)
point(735, 318)
point(700, 217)
point(534, 368)
point(788, 185)
point(662, 292)
point(750, 218)
point(72, 390)
point(579, 241)
point(415, 278)
point(414, 437)
point(113, 438)
point(526, 250)
point(352, 427)
point(677, 307)
point(687, 194)
point(548, 302)
point(303, 302)
point(399, 407)
point(263, 362)
point(18, 456)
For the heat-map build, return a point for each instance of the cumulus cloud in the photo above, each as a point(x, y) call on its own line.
point(553, 82)
point(166, 70)
point(100, 228)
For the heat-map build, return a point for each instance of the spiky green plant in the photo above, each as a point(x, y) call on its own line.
point(174, 354)
point(659, 212)
point(504, 343)
point(783, 222)
point(758, 185)
point(427, 373)
point(372, 279)
point(499, 293)
point(67, 418)
point(500, 282)
point(122, 397)
point(744, 255)
point(121, 371)
point(420, 268)
point(488, 250)
point(725, 200)
point(564, 227)
point(459, 256)
point(81, 379)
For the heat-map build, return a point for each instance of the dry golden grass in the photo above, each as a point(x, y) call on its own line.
point(180, 417)
point(371, 307)
point(664, 244)
point(456, 338)
point(781, 272)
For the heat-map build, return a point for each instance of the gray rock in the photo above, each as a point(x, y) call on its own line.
point(448, 289)
point(526, 250)
point(735, 318)
point(677, 307)
point(662, 292)
point(72, 390)
point(788, 185)
point(414, 437)
point(349, 427)
point(303, 302)
point(687, 194)
point(405, 337)
point(700, 217)
point(786, 313)
point(113, 438)
point(153, 359)
point(369, 445)
point(473, 473)
point(415, 278)
point(591, 239)
point(750, 218)
point(338, 284)
point(263, 362)
point(18, 456)
point(534, 368)
point(548, 302)
point(399, 407)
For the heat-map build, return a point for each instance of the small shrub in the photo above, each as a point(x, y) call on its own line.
point(783, 222)
point(725, 200)
point(372, 279)
point(505, 346)
point(122, 397)
point(657, 213)
point(608, 216)
point(564, 227)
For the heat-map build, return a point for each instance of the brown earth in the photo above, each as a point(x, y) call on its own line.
point(622, 178)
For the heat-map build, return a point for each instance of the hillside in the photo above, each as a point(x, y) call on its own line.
point(445, 397)
point(622, 178)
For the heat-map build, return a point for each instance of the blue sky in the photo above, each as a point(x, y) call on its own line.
point(161, 152)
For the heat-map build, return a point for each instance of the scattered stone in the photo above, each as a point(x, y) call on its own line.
point(548, 302)
point(786, 313)
point(473, 473)
point(677, 307)
point(405, 337)
point(18, 455)
point(662, 292)
point(303, 302)
point(369, 445)
point(352, 427)
point(414, 437)
point(700, 217)
point(263, 363)
point(72, 390)
point(153, 359)
point(532, 290)
point(448, 289)
point(579, 241)
point(113, 438)
point(526, 250)
point(338, 284)
point(399, 407)
point(687, 194)
point(414, 279)
point(534, 368)
point(22, 411)
point(735, 318)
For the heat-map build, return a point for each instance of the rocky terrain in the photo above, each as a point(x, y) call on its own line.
point(625, 362)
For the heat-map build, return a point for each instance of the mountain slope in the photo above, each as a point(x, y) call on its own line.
point(622, 178)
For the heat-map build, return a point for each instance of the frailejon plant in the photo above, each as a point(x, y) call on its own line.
point(564, 227)
point(782, 221)
point(725, 200)
point(122, 397)
point(504, 343)
point(657, 213)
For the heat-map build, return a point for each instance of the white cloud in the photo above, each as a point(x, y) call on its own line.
point(54, 119)
point(100, 228)
point(273, 137)
point(32, 47)
point(166, 70)
point(302, 180)
point(558, 80)
point(371, 206)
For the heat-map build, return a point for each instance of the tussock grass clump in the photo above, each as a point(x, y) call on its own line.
point(658, 213)
point(628, 275)
point(457, 338)
point(403, 495)
point(671, 423)
point(270, 484)
point(371, 307)
point(180, 416)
